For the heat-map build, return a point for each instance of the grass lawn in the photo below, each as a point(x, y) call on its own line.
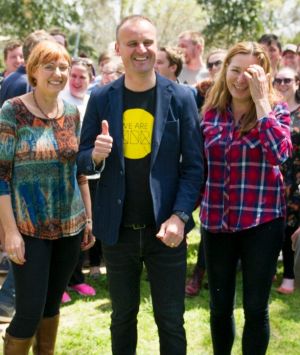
point(84, 326)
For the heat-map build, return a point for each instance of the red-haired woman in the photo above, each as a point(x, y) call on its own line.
point(44, 205)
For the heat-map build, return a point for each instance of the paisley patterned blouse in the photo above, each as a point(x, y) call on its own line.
point(38, 169)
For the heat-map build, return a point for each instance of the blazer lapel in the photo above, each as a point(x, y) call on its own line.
point(116, 119)
point(163, 98)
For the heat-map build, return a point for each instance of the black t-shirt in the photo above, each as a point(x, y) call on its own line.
point(138, 123)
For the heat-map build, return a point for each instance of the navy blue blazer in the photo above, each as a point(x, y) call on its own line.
point(176, 169)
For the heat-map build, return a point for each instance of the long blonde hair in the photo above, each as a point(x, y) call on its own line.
point(219, 96)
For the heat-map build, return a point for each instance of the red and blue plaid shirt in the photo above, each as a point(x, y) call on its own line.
point(244, 186)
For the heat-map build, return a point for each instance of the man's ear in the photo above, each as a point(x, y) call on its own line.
point(199, 48)
point(117, 48)
point(173, 68)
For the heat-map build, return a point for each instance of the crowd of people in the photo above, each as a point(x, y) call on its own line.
point(111, 167)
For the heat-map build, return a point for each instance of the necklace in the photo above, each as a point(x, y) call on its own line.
point(39, 107)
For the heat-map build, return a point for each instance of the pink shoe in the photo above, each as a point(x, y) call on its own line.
point(284, 291)
point(83, 289)
point(65, 298)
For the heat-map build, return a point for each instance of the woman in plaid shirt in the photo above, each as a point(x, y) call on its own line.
point(246, 138)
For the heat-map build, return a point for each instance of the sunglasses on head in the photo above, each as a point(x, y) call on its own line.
point(83, 61)
point(216, 63)
point(284, 80)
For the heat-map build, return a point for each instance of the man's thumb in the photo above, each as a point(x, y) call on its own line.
point(105, 128)
point(162, 231)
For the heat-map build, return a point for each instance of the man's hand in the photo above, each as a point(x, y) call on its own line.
point(103, 144)
point(171, 231)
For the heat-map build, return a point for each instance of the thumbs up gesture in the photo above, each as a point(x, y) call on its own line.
point(103, 144)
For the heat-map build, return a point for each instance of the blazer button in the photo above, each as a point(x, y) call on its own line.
point(121, 172)
point(119, 201)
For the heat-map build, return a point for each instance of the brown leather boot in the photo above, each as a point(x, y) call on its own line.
point(193, 285)
point(16, 346)
point(45, 337)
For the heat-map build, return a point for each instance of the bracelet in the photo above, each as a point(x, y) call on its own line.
point(89, 220)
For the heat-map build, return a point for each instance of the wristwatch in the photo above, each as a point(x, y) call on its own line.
point(182, 215)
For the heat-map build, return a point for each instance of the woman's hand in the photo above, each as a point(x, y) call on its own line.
point(15, 247)
point(294, 238)
point(258, 82)
point(88, 239)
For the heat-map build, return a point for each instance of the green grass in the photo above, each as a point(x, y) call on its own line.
point(84, 326)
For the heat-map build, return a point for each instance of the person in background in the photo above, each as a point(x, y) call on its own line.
point(169, 62)
point(59, 36)
point(286, 82)
point(81, 75)
point(296, 248)
point(45, 206)
point(214, 63)
point(103, 59)
point(295, 237)
point(246, 139)
point(13, 58)
point(194, 69)
point(298, 54)
point(111, 70)
point(17, 84)
point(7, 291)
point(272, 46)
point(290, 56)
point(151, 147)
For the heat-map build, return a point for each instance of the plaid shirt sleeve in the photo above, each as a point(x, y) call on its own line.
point(274, 134)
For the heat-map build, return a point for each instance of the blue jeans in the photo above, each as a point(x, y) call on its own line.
point(166, 269)
point(7, 292)
point(258, 249)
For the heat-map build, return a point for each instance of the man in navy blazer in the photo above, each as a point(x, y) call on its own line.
point(142, 132)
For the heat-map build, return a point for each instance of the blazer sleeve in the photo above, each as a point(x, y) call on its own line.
point(192, 172)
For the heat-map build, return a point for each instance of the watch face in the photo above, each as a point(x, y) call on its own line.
point(183, 216)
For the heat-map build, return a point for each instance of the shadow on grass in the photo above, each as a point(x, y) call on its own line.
point(105, 307)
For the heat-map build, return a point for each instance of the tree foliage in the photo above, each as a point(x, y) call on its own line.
point(282, 17)
point(231, 21)
point(93, 22)
point(171, 17)
point(20, 17)
point(100, 18)
point(98, 22)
